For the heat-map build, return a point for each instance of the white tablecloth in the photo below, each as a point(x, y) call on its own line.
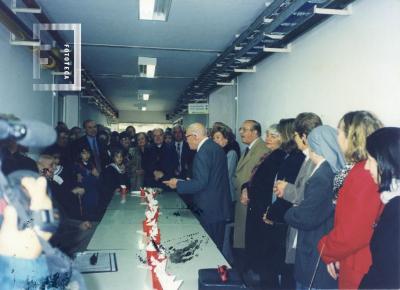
point(188, 246)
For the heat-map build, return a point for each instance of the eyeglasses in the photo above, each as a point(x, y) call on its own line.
point(245, 129)
point(187, 136)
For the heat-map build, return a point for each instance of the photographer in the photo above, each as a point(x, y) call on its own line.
point(22, 263)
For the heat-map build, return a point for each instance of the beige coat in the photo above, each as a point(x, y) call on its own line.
point(242, 175)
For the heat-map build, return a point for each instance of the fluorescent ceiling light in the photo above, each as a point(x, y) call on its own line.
point(154, 9)
point(151, 70)
point(147, 66)
point(146, 97)
point(144, 108)
point(146, 9)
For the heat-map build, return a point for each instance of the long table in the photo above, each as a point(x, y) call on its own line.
point(188, 246)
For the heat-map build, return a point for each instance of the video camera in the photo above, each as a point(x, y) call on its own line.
point(61, 271)
point(33, 134)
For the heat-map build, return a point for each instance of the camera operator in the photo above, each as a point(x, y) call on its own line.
point(14, 158)
point(22, 263)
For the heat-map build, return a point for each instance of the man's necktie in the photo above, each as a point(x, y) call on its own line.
point(178, 150)
point(96, 156)
point(245, 152)
point(95, 148)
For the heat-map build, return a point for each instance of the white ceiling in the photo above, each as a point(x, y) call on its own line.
point(201, 27)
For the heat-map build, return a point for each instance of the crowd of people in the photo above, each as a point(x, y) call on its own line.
point(309, 202)
point(312, 200)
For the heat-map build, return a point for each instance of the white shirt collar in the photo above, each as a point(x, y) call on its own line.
point(386, 196)
point(306, 152)
point(201, 143)
point(317, 166)
point(252, 143)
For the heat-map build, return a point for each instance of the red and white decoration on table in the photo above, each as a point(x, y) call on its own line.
point(156, 258)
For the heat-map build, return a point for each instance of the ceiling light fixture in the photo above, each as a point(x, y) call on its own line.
point(154, 9)
point(146, 97)
point(147, 66)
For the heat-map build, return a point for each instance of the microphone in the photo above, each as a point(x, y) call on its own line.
point(28, 133)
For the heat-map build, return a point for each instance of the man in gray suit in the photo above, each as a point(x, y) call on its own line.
point(294, 193)
point(250, 133)
point(209, 185)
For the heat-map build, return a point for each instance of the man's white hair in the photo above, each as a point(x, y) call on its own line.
point(197, 129)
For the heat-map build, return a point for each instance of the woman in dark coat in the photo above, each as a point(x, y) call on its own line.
point(273, 217)
point(313, 217)
point(259, 196)
point(383, 163)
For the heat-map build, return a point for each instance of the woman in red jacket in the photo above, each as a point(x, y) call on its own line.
point(357, 205)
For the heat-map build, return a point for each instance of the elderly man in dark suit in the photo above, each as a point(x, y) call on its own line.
point(160, 161)
point(209, 185)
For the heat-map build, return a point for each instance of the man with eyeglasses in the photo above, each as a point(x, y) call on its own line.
point(250, 133)
point(209, 184)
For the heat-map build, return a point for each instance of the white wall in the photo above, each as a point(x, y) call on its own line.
point(90, 111)
point(222, 106)
point(346, 63)
point(150, 117)
point(195, 118)
point(71, 110)
point(16, 78)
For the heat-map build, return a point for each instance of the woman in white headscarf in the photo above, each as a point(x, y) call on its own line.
point(313, 217)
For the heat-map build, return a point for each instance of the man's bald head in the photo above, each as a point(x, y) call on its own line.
point(197, 129)
point(46, 165)
point(195, 133)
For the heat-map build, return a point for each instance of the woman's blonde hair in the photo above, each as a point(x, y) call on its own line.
point(357, 126)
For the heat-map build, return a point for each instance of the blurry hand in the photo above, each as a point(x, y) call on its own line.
point(172, 183)
point(24, 244)
point(266, 220)
point(244, 197)
point(279, 188)
point(333, 269)
point(37, 191)
point(78, 191)
point(95, 172)
point(158, 174)
point(85, 225)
